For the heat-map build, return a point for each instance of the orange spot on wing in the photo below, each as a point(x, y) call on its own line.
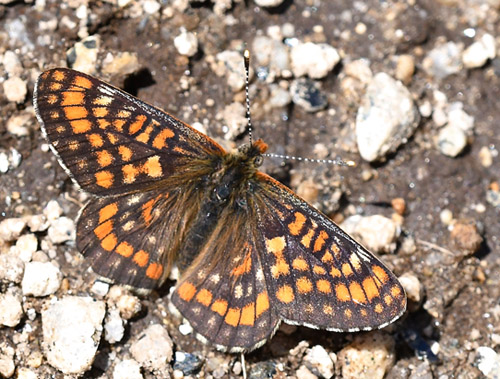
point(220, 307)
point(324, 286)
point(304, 285)
point(335, 250)
point(395, 291)
point(388, 299)
point(104, 158)
point(125, 249)
point(244, 267)
point(371, 288)
point(104, 179)
point(107, 212)
point(300, 264)
point(100, 111)
point(342, 292)
point(109, 242)
point(55, 86)
point(118, 124)
point(73, 145)
point(186, 291)
point(320, 241)
point(124, 113)
point(152, 167)
point(348, 313)
point(379, 308)
point(137, 124)
point(103, 123)
point(112, 138)
point(154, 271)
point(380, 274)
point(125, 153)
point(95, 140)
point(306, 240)
point(160, 140)
point(328, 309)
point(335, 272)
point(141, 258)
point(52, 99)
point(296, 226)
point(58, 75)
point(72, 98)
point(233, 316)
point(357, 293)
point(81, 126)
point(262, 303)
point(318, 270)
point(347, 269)
point(129, 173)
point(103, 229)
point(74, 113)
point(204, 297)
point(280, 268)
point(248, 315)
point(285, 294)
point(327, 257)
point(276, 245)
point(103, 100)
point(145, 136)
point(80, 81)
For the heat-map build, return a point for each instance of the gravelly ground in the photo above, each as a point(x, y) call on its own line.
point(460, 310)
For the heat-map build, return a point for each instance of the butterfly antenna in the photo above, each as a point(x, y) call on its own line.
point(246, 57)
point(336, 161)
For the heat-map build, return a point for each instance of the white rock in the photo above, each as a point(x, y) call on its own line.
point(11, 228)
point(17, 124)
point(153, 348)
point(127, 304)
point(268, 3)
point(279, 97)
point(127, 369)
point(83, 55)
point(151, 6)
point(235, 121)
point(386, 118)
point(72, 329)
point(12, 64)
point(186, 43)
point(360, 70)
point(229, 65)
point(459, 119)
point(488, 362)
point(36, 223)
point(25, 246)
point(377, 233)
point(271, 53)
point(444, 60)
point(11, 309)
point(317, 357)
point(7, 366)
point(15, 89)
point(4, 163)
point(121, 63)
point(41, 279)
point(100, 288)
point(477, 54)
point(314, 60)
point(52, 210)
point(368, 356)
point(26, 373)
point(113, 327)
point(11, 268)
point(61, 230)
point(412, 286)
point(451, 140)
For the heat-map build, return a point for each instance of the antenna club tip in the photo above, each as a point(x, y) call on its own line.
point(246, 54)
point(350, 163)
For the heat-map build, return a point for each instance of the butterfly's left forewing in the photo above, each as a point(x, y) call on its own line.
point(108, 141)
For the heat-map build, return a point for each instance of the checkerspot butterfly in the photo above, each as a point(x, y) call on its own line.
point(251, 252)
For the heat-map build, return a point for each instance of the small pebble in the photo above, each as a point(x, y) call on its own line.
point(268, 3)
point(488, 362)
point(477, 54)
point(307, 94)
point(458, 118)
point(72, 329)
point(235, 120)
point(446, 216)
point(399, 205)
point(485, 157)
point(377, 233)
point(11, 268)
point(319, 360)
point(153, 348)
point(304, 373)
point(100, 288)
point(413, 287)
point(17, 125)
point(122, 64)
point(314, 60)
point(113, 327)
point(41, 279)
point(386, 118)
point(405, 68)
point(11, 228)
point(61, 230)
point(444, 60)
point(11, 309)
point(25, 247)
point(4, 163)
point(12, 63)
point(83, 55)
point(127, 369)
point(186, 43)
point(279, 97)
point(451, 141)
point(465, 237)
point(369, 356)
point(229, 65)
point(127, 304)
point(26, 373)
point(7, 365)
point(52, 210)
point(15, 89)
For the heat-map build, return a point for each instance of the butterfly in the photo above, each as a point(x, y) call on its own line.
point(251, 253)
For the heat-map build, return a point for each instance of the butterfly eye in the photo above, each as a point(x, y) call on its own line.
point(258, 160)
